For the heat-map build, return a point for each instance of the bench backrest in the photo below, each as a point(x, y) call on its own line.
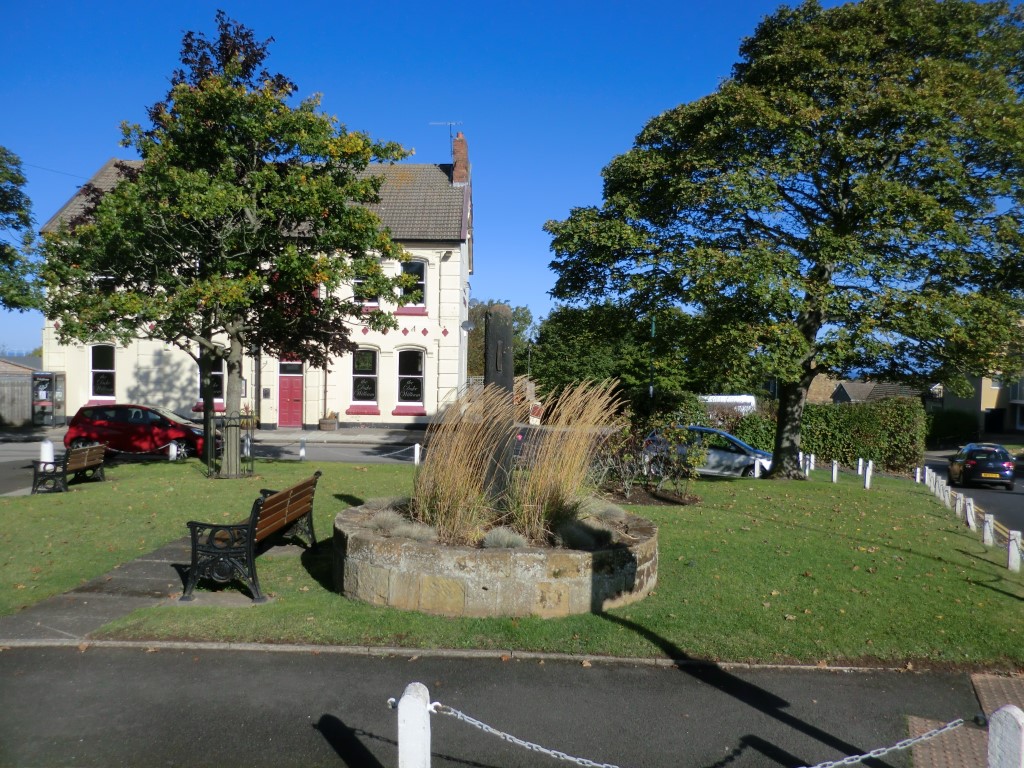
point(283, 508)
point(87, 456)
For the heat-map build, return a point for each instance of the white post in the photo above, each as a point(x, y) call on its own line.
point(972, 523)
point(860, 466)
point(172, 451)
point(246, 447)
point(46, 451)
point(414, 727)
point(757, 468)
point(800, 458)
point(812, 462)
point(806, 466)
point(958, 505)
point(867, 475)
point(917, 475)
point(1006, 738)
point(988, 531)
point(416, 454)
point(835, 471)
point(302, 449)
point(1013, 552)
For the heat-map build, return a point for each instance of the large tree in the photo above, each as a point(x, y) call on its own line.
point(17, 291)
point(235, 232)
point(850, 201)
point(608, 341)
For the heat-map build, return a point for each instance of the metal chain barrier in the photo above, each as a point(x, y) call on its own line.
point(905, 744)
point(442, 709)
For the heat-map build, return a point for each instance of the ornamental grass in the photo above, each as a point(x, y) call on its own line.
point(469, 482)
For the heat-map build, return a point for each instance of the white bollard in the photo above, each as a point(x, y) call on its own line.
point(988, 531)
point(757, 468)
point(860, 467)
point(416, 450)
point(835, 471)
point(917, 475)
point(414, 727)
point(867, 475)
point(1013, 552)
point(246, 447)
point(812, 462)
point(46, 451)
point(302, 449)
point(958, 506)
point(972, 522)
point(1006, 738)
point(172, 451)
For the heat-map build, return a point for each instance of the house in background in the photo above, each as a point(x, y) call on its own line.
point(998, 404)
point(399, 377)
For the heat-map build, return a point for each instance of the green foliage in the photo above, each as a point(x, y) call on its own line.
point(609, 341)
point(17, 291)
point(850, 201)
point(756, 429)
point(891, 433)
point(245, 217)
point(949, 428)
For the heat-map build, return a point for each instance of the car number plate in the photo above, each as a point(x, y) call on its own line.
point(990, 474)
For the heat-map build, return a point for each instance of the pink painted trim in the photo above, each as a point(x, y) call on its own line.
point(218, 406)
point(102, 401)
point(414, 311)
point(362, 410)
point(409, 410)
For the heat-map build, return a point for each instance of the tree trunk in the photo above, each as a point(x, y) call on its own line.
point(231, 456)
point(206, 363)
point(786, 456)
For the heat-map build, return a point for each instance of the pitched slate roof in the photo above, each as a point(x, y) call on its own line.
point(417, 200)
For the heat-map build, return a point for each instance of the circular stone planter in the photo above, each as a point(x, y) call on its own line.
point(469, 581)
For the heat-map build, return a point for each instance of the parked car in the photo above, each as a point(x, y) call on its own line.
point(134, 429)
point(727, 455)
point(987, 463)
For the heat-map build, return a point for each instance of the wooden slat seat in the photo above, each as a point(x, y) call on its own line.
point(224, 552)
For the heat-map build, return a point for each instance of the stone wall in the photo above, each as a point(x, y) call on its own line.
point(468, 581)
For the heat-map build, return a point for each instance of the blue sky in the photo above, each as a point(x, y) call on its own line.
point(546, 94)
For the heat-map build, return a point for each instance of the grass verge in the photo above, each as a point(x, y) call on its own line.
point(761, 571)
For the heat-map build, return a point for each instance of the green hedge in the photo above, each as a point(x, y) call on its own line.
point(891, 433)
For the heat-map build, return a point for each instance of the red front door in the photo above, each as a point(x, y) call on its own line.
point(289, 401)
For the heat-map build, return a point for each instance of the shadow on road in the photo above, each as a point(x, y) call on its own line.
point(749, 694)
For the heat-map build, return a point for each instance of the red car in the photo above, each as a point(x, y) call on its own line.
point(138, 429)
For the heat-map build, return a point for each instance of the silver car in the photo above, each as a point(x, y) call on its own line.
point(727, 455)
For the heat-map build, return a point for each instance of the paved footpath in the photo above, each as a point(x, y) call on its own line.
point(208, 706)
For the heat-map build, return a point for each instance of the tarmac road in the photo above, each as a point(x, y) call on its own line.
point(165, 707)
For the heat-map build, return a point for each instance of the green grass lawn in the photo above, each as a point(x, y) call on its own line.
point(760, 571)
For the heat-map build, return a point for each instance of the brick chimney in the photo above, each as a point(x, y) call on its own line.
point(460, 161)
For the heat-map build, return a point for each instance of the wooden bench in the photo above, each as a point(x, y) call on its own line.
point(81, 463)
point(224, 552)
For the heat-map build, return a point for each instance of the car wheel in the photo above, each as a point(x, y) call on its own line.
point(1009, 487)
point(183, 449)
point(747, 471)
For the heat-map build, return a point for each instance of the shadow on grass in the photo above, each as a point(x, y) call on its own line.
point(747, 693)
point(319, 563)
point(352, 501)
